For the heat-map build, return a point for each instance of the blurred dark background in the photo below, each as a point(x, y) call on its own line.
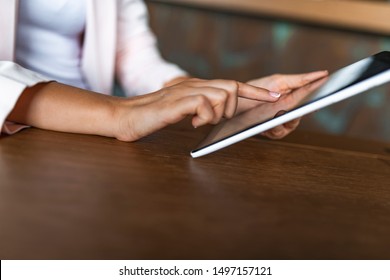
point(217, 43)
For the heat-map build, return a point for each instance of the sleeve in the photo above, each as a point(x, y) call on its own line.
point(14, 79)
point(140, 68)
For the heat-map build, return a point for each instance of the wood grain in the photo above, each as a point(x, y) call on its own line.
point(68, 196)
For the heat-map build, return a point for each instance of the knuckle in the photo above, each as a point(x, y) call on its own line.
point(201, 100)
point(292, 124)
point(232, 85)
point(235, 86)
point(223, 94)
point(278, 133)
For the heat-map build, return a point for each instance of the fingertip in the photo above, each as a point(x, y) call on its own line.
point(320, 73)
point(198, 121)
point(277, 132)
point(275, 94)
point(324, 72)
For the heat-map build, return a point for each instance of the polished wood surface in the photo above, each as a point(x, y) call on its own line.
point(369, 16)
point(67, 196)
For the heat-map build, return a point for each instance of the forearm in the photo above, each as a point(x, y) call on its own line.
point(59, 107)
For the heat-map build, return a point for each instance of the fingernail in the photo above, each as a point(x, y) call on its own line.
point(274, 94)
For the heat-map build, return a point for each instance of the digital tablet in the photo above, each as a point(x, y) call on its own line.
point(344, 83)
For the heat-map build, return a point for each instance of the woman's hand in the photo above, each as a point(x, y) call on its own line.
point(283, 84)
point(59, 107)
point(207, 101)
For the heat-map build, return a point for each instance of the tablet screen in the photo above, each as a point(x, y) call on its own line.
point(327, 88)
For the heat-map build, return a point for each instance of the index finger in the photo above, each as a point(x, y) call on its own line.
point(256, 93)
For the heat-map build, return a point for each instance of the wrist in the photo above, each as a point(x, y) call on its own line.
point(176, 81)
point(122, 119)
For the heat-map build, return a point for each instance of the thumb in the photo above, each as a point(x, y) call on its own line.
point(298, 80)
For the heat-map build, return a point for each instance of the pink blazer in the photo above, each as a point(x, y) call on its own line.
point(118, 44)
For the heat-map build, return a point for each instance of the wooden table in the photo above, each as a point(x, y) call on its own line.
point(67, 196)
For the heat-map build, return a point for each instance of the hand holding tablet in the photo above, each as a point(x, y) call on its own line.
point(344, 83)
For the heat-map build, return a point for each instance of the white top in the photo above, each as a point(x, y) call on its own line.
point(49, 36)
point(117, 43)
